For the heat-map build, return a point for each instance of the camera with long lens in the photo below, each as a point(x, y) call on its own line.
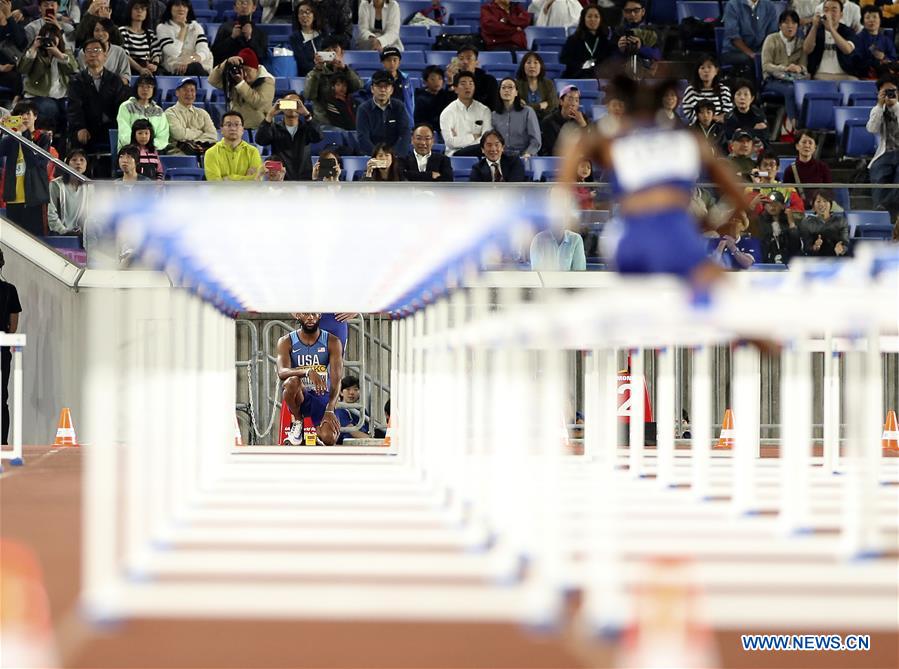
point(890, 93)
point(234, 73)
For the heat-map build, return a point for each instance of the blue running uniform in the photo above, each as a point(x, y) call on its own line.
point(314, 357)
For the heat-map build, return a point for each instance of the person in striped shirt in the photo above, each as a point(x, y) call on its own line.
point(139, 40)
point(706, 85)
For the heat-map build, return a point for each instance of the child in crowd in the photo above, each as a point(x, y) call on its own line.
point(706, 124)
point(149, 164)
point(349, 393)
point(340, 105)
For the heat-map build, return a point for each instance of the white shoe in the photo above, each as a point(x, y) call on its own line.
point(295, 434)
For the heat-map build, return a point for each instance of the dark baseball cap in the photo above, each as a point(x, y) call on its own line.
point(381, 77)
point(742, 134)
point(391, 51)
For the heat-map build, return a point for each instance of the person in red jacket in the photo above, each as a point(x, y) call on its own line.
point(503, 24)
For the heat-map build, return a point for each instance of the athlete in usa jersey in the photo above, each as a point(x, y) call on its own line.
point(653, 171)
point(310, 363)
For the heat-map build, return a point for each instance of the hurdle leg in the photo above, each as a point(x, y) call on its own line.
point(637, 431)
point(700, 442)
point(665, 416)
point(17, 388)
point(831, 417)
point(746, 426)
point(795, 440)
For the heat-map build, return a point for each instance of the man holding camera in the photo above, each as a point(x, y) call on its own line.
point(234, 36)
point(247, 84)
point(290, 137)
point(383, 119)
point(883, 121)
point(635, 37)
point(45, 68)
point(328, 61)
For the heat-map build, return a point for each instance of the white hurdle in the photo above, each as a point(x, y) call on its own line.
point(16, 342)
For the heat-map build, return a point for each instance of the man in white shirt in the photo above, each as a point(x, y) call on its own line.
point(464, 120)
point(190, 127)
point(852, 14)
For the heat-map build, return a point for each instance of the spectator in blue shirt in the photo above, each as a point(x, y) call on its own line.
point(873, 48)
point(746, 25)
point(383, 119)
point(557, 249)
point(349, 394)
point(402, 91)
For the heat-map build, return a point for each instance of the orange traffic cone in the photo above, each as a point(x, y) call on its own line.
point(389, 433)
point(726, 438)
point(890, 439)
point(65, 431)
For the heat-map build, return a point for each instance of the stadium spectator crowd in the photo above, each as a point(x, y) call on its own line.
point(263, 90)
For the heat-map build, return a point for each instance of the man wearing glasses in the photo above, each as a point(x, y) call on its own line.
point(232, 159)
point(637, 38)
point(241, 33)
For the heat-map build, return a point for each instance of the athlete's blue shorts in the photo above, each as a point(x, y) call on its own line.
point(340, 330)
point(314, 406)
point(663, 242)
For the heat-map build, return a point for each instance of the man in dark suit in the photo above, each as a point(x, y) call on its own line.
point(423, 164)
point(495, 166)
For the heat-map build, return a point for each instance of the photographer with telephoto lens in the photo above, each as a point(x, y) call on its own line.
point(249, 87)
point(883, 121)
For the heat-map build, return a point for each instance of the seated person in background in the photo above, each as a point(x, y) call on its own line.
point(502, 25)
point(874, 50)
point(636, 37)
point(767, 166)
point(142, 137)
point(587, 194)
point(25, 183)
point(272, 170)
point(12, 43)
point(783, 62)
point(567, 118)
point(707, 85)
point(828, 45)
point(290, 137)
point(94, 98)
point(182, 41)
point(464, 120)
point(383, 165)
point(883, 123)
point(44, 72)
point(232, 159)
point(340, 107)
point(347, 417)
point(589, 45)
point(557, 250)
point(744, 114)
point(402, 91)
point(328, 167)
point(191, 130)
point(432, 98)
point(128, 158)
point(328, 61)
point(609, 123)
point(517, 123)
point(671, 108)
point(336, 18)
point(823, 231)
point(141, 105)
point(249, 86)
point(778, 232)
point(383, 119)
point(310, 363)
point(555, 13)
point(235, 36)
point(96, 10)
point(422, 164)
point(69, 206)
point(379, 25)
point(741, 149)
point(306, 39)
point(731, 251)
point(852, 14)
point(495, 165)
point(807, 168)
point(49, 14)
point(139, 40)
point(534, 88)
point(486, 90)
point(116, 57)
point(746, 25)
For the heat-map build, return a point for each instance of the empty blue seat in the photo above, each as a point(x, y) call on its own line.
point(463, 12)
point(785, 163)
point(330, 139)
point(211, 29)
point(488, 58)
point(870, 224)
point(297, 84)
point(462, 167)
point(857, 141)
point(549, 56)
point(816, 100)
point(185, 174)
point(541, 37)
point(170, 162)
point(843, 114)
point(204, 15)
point(278, 33)
point(449, 30)
point(362, 58)
point(589, 88)
point(414, 60)
point(408, 8)
point(354, 167)
point(544, 168)
point(698, 10)
point(413, 32)
point(851, 89)
point(63, 241)
point(441, 58)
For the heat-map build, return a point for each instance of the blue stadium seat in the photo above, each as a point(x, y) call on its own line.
point(413, 60)
point(544, 168)
point(448, 30)
point(330, 138)
point(462, 166)
point(785, 163)
point(408, 8)
point(549, 56)
point(719, 39)
point(278, 33)
point(541, 37)
point(857, 141)
point(589, 89)
point(354, 167)
point(297, 84)
point(488, 58)
point(211, 29)
point(165, 87)
point(63, 241)
point(416, 38)
point(468, 13)
point(662, 12)
point(441, 58)
point(358, 59)
point(502, 71)
point(816, 100)
point(171, 162)
point(185, 174)
point(698, 10)
point(869, 224)
point(852, 89)
point(282, 86)
point(843, 114)
point(204, 15)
